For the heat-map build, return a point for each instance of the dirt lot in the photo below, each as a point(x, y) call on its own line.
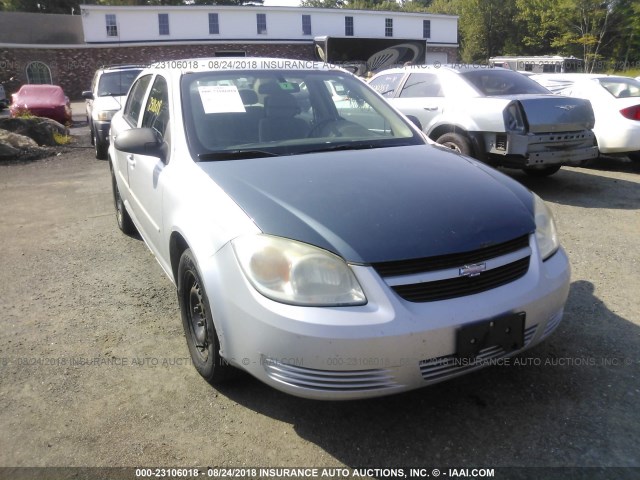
point(94, 368)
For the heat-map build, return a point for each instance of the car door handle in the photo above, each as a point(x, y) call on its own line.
point(430, 109)
point(131, 161)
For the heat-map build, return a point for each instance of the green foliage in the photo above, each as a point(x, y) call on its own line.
point(61, 139)
point(39, 6)
point(539, 23)
point(23, 113)
point(602, 32)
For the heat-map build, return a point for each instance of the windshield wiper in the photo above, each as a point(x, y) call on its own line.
point(236, 155)
point(344, 146)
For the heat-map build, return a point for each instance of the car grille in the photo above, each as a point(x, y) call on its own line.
point(307, 378)
point(461, 286)
point(406, 267)
point(455, 285)
point(436, 368)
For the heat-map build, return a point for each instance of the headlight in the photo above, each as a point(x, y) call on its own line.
point(105, 115)
point(546, 234)
point(297, 273)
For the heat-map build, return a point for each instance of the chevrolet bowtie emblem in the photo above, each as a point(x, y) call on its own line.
point(472, 270)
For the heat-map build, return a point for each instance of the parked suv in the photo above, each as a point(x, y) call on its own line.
point(109, 88)
point(495, 115)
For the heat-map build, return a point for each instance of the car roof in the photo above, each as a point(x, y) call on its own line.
point(575, 77)
point(41, 86)
point(44, 90)
point(450, 67)
point(121, 67)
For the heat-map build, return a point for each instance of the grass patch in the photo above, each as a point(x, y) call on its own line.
point(632, 72)
point(61, 138)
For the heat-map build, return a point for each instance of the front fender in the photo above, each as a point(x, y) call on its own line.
point(199, 211)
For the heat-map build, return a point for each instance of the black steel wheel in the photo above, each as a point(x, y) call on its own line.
point(197, 321)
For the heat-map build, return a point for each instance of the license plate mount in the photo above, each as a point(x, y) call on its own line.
point(506, 331)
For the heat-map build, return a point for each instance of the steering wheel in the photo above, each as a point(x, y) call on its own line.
point(323, 123)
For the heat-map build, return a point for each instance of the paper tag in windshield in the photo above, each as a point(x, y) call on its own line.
point(221, 99)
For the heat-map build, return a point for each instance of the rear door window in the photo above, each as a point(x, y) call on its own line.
point(422, 85)
point(156, 111)
point(133, 107)
point(386, 84)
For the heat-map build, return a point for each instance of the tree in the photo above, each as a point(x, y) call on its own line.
point(624, 50)
point(539, 24)
point(586, 25)
point(322, 3)
point(40, 6)
point(485, 27)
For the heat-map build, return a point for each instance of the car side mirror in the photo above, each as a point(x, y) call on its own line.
point(88, 94)
point(141, 141)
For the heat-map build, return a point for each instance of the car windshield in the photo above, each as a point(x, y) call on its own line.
point(621, 87)
point(116, 84)
point(502, 82)
point(248, 114)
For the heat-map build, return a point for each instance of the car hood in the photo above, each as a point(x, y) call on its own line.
point(556, 113)
point(109, 103)
point(381, 204)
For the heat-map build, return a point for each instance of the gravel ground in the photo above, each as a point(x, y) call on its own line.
point(95, 371)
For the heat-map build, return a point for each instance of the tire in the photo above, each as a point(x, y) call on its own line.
point(634, 156)
point(456, 142)
point(101, 148)
point(122, 216)
point(90, 131)
point(541, 172)
point(197, 321)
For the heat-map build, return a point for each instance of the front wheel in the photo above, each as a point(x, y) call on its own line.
point(541, 172)
point(197, 321)
point(456, 142)
point(122, 216)
point(101, 147)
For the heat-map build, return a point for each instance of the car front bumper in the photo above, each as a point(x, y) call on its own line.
point(387, 346)
point(101, 130)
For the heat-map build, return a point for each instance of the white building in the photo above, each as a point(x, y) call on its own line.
point(250, 25)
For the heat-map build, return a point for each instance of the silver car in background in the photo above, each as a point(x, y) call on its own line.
point(495, 115)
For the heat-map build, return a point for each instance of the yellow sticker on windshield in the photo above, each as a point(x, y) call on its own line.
point(155, 106)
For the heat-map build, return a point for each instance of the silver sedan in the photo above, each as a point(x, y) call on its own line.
point(323, 245)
